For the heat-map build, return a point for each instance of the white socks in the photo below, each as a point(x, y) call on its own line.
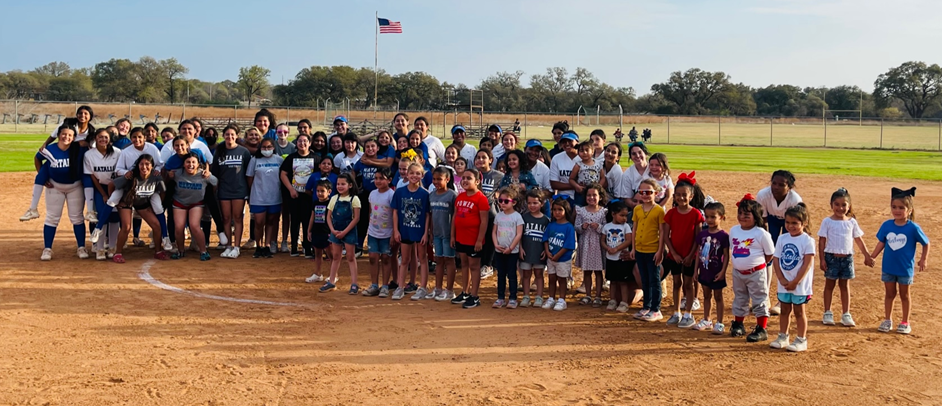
point(37, 193)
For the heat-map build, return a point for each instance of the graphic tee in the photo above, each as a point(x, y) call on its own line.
point(713, 247)
point(532, 241)
point(561, 236)
point(412, 208)
point(468, 217)
point(790, 253)
point(615, 235)
point(381, 214)
point(443, 210)
point(899, 255)
point(749, 247)
point(506, 227)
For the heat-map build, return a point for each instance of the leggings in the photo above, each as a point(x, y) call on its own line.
point(506, 265)
point(364, 223)
point(301, 208)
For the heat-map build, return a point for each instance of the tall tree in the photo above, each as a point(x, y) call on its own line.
point(690, 90)
point(115, 80)
point(915, 84)
point(502, 91)
point(253, 80)
point(54, 69)
point(172, 70)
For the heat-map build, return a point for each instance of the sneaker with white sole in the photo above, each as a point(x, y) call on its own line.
point(611, 305)
point(683, 303)
point(512, 304)
point(885, 326)
point(538, 302)
point(314, 278)
point(249, 244)
point(549, 303)
point(622, 307)
point(96, 234)
point(653, 316)
point(226, 253)
point(674, 319)
point(780, 342)
point(828, 318)
point(91, 217)
point(560, 305)
point(235, 253)
point(445, 296)
point(904, 328)
point(696, 305)
point(687, 322)
point(284, 247)
point(847, 320)
point(498, 304)
point(82, 253)
point(800, 344)
point(167, 245)
point(703, 325)
point(432, 294)
point(487, 272)
point(399, 293)
point(776, 310)
point(47, 254)
point(101, 255)
point(719, 329)
point(223, 240)
point(525, 302)
point(641, 313)
point(383, 291)
point(30, 215)
point(420, 294)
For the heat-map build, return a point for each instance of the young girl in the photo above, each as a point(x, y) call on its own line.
point(508, 230)
point(343, 212)
point(586, 171)
point(265, 198)
point(65, 189)
point(589, 222)
point(648, 248)
point(364, 171)
point(410, 228)
point(229, 167)
point(99, 166)
point(489, 180)
point(752, 249)
point(836, 239)
point(559, 241)
point(451, 154)
point(325, 171)
point(318, 230)
point(775, 199)
point(681, 225)
point(442, 203)
point(188, 204)
point(532, 253)
point(136, 195)
point(711, 264)
point(461, 165)
point(616, 240)
point(295, 171)
point(612, 169)
point(901, 235)
point(380, 233)
point(351, 153)
point(486, 143)
point(468, 234)
point(660, 172)
point(794, 271)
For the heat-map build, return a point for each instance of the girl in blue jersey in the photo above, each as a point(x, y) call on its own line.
point(64, 187)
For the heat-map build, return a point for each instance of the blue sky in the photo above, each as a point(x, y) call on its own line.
point(623, 42)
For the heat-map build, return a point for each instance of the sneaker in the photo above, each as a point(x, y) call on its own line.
point(166, 244)
point(110, 253)
point(776, 310)
point(249, 244)
point(309, 253)
point(847, 320)
point(398, 294)
point(622, 307)
point(737, 329)
point(549, 303)
point(780, 342)
point(498, 304)
point(703, 325)
point(384, 291)
point(585, 300)
point(91, 217)
point(674, 319)
point(193, 247)
point(284, 247)
point(411, 287)
point(686, 322)
point(800, 344)
point(472, 302)
point(487, 271)
point(82, 253)
point(581, 289)
point(235, 253)
point(96, 234)
point(178, 255)
point(460, 298)
point(257, 253)
point(445, 296)
point(314, 278)
point(596, 303)
point(47, 254)
point(696, 305)
point(611, 305)
point(295, 253)
point(525, 302)
point(512, 304)
point(653, 316)
point(272, 248)
point(885, 326)
point(538, 302)
point(204, 256)
point(719, 329)
point(828, 319)
point(226, 253)
point(560, 305)
point(138, 242)
point(327, 287)
point(420, 294)
point(161, 255)
point(758, 334)
point(433, 294)
point(223, 241)
point(904, 328)
point(641, 313)
point(101, 255)
point(29, 215)
point(683, 303)
point(354, 289)
point(268, 253)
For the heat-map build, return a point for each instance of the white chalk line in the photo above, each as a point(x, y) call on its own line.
point(145, 276)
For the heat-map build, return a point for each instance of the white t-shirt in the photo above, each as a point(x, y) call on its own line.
point(468, 152)
point(436, 150)
point(615, 235)
point(612, 179)
point(772, 208)
point(665, 183)
point(130, 154)
point(630, 181)
point(167, 151)
point(541, 173)
point(840, 235)
point(344, 164)
point(560, 168)
point(100, 166)
point(790, 253)
point(749, 247)
point(381, 214)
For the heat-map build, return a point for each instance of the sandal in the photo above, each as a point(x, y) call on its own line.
point(161, 255)
point(585, 300)
point(118, 258)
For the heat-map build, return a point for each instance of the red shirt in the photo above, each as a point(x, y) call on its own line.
point(468, 217)
point(683, 229)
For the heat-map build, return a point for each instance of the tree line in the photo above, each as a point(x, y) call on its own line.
point(913, 89)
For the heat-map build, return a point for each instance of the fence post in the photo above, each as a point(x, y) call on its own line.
point(668, 129)
point(881, 133)
point(940, 134)
point(129, 110)
point(16, 115)
point(526, 123)
point(288, 118)
point(771, 122)
point(235, 112)
point(719, 130)
point(825, 132)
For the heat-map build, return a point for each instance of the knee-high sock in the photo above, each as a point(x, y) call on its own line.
point(162, 219)
point(113, 229)
point(136, 225)
point(90, 198)
point(37, 193)
point(49, 234)
point(79, 230)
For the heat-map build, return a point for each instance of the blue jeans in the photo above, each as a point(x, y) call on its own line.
point(650, 281)
point(506, 265)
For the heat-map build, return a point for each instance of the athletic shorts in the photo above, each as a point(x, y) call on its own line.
point(467, 249)
point(272, 209)
point(320, 241)
point(178, 205)
point(788, 298)
point(526, 266)
point(560, 269)
point(678, 268)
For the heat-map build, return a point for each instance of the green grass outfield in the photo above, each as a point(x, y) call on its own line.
point(17, 151)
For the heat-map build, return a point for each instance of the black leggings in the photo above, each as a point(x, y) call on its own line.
point(301, 208)
point(364, 223)
point(487, 250)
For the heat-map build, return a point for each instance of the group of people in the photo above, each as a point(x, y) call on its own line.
point(408, 202)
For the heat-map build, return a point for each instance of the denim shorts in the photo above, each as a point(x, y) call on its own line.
point(902, 280)
point(350, 238)
point(442, 246)
point(378, 245)
point(839, 267)
point(788, 298)
point(272, 209)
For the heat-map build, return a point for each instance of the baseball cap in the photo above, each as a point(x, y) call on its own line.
point(569, 135)
point(534, 143)
point(495, 127)
point(457, 128)
point(340, 118)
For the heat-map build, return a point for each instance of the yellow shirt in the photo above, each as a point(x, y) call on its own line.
point(648, 228)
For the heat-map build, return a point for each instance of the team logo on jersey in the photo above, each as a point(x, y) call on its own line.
point(790, 258)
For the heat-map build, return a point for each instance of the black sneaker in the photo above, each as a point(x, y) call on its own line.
point(460, 298)
point(758, 334)
point(411, 287)
point(737, 329)
point(309, 254)
point(295, 252)
point(471, 302)
point(393, 286)
point(431, 267)
point(266, 252)
point(257, 253)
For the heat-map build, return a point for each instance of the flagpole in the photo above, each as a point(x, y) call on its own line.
point(376, 64)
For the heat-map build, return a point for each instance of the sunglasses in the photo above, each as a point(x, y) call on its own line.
point(505, 201)
point(281, 132)
point(646, 192)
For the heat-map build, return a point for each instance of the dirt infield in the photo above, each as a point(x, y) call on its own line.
point(89, 333)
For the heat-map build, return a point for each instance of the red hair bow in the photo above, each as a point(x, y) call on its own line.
point(748, 196)
point(688, 177)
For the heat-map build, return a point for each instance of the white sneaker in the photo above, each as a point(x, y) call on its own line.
point(96, 234)
point(82, 253)
point(223, 241)
point(109, 253)
point(91, 216)
point(799, 345)
point(776, 310)
point(167, 245)
point(560, 305)
point(780, 342)
point(696, 305)
point(249, 244)
point(487, 272)
point(101, 255)
point(549, 303)
point(314, 278)
point(719, 329)
point(445, 295)
point(885, 326)
point(47, 254)
point(703, 325)
point(847, 320)
point(611, 305)
point(433, 294)
point(29, 215)
point(235, 253)
point(226, 253)
point(622, 307)
point(828, 318)
point(419, 294)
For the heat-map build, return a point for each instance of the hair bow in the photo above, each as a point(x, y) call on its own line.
point(688, 177)
point(450, 169)
point(565, 197)
point(408, 154)
point(748, 196)
point(911, 192)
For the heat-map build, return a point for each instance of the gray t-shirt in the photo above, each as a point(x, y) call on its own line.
point(191, 189)
point(140, 196)
point(267, 180)
point(489, 183)
point(229, 165)
point(286, 150)
point(443, 211)
point(505, 225)
point(532, 241)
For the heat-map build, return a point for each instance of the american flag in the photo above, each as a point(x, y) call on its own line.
point(389, 27)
